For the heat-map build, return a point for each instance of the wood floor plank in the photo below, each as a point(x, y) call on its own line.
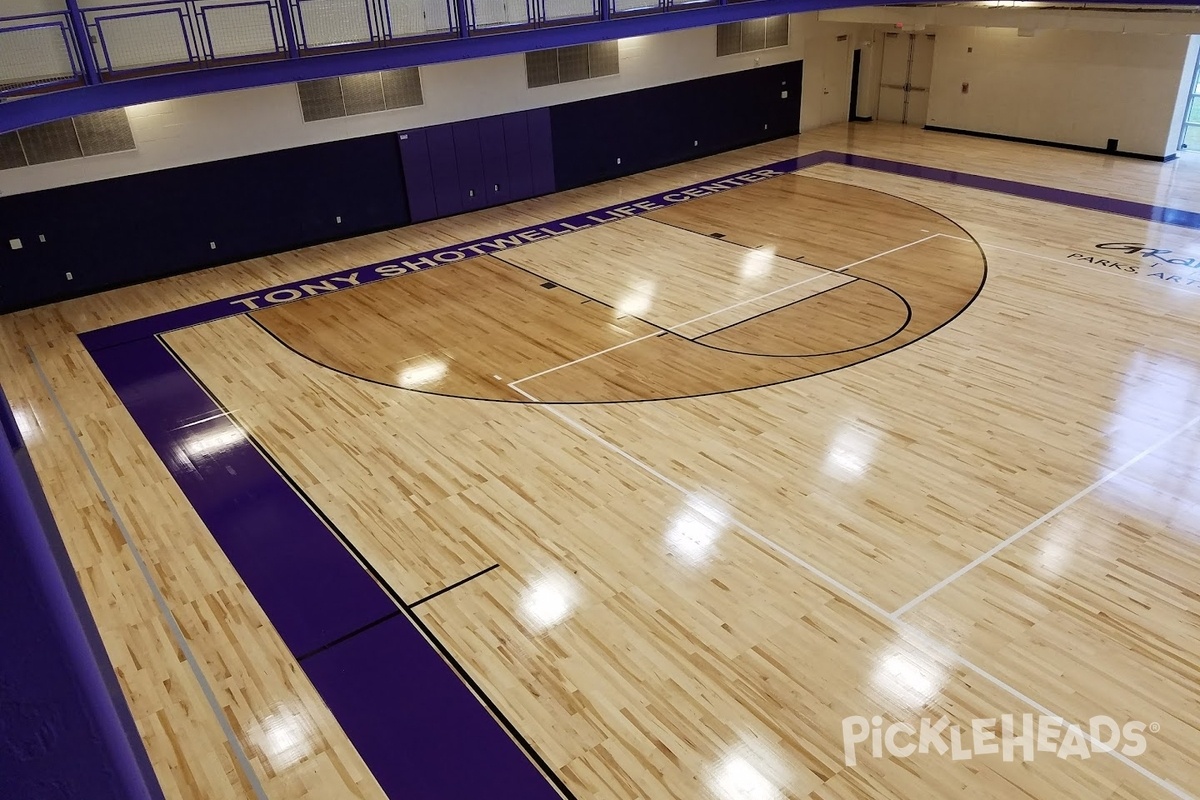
point(635, 630)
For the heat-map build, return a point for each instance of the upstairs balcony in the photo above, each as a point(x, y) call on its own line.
point(62, 57)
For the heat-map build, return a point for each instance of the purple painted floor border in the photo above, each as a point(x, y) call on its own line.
point(403, 702)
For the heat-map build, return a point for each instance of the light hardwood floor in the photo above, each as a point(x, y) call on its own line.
point(999, 518)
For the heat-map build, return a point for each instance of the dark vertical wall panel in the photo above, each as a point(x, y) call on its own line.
point(140, 227)
point(666, 124)
point(444, 163)
point(495, 161)
point(470, 164)
point(516, 151)
point(418, 177)
point(541, 149)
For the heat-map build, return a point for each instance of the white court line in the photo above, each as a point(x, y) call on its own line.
point(937, 587)
point(917, 636)
point(589, 433)
point(585, 358)
point(1127, 275)
point(922, 638)
point(728, 308)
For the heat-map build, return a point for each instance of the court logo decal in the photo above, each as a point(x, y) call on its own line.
point(1138, 258)
point(1006, 737)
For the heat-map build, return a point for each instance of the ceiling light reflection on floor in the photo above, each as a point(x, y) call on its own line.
point(548, 601)
point(423, 375)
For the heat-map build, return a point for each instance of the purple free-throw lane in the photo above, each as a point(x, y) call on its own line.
point(419, 728)
point(435, 747)
point(308, 584)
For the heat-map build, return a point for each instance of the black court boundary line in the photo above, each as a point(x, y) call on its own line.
point(401, 606)
point(350, 635)
point(454, 585)
point(522, 401)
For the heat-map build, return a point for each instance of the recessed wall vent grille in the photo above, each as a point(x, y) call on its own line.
point(63, 139)
point(350, 95)
point(575, 63)
point(752, 34)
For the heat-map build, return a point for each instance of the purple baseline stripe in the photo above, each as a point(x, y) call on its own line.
point(308, 584)
point(1064, 197)
point(420, 730)
point(433, 740)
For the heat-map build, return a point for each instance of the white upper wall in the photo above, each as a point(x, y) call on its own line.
point(230, 124)
point(1064, 86)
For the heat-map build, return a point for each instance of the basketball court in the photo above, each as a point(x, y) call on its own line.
point(660, 488)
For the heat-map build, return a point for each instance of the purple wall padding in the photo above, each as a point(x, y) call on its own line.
point(61, 735)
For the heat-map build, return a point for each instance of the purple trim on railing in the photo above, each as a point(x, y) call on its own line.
point(284, 10)
point(70, 102)
point(299, 17)
point(63, 732)
point(41, 15)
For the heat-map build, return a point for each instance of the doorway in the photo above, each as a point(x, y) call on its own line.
point(854, 73)
point(904, 80)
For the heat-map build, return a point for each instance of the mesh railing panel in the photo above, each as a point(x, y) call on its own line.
point(569, 9)
point(151, 38)
point(624, 6)
point(329, 23)
point(496, 13)
point(419, 17)
point(34, 53)
point(240, 30)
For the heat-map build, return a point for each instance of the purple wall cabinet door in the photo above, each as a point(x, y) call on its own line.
point(541, 149)
point(495, 161)
point(471, 184)
point(444, 163)
point(418, 175)
point(516, 150)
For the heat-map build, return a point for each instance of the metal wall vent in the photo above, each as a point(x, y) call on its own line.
point(575, 63)
point(63, 139)
point(752, 34)
point(349, 95)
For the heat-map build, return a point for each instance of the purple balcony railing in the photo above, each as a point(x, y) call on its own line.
point(37, 53)
point(40, 52)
